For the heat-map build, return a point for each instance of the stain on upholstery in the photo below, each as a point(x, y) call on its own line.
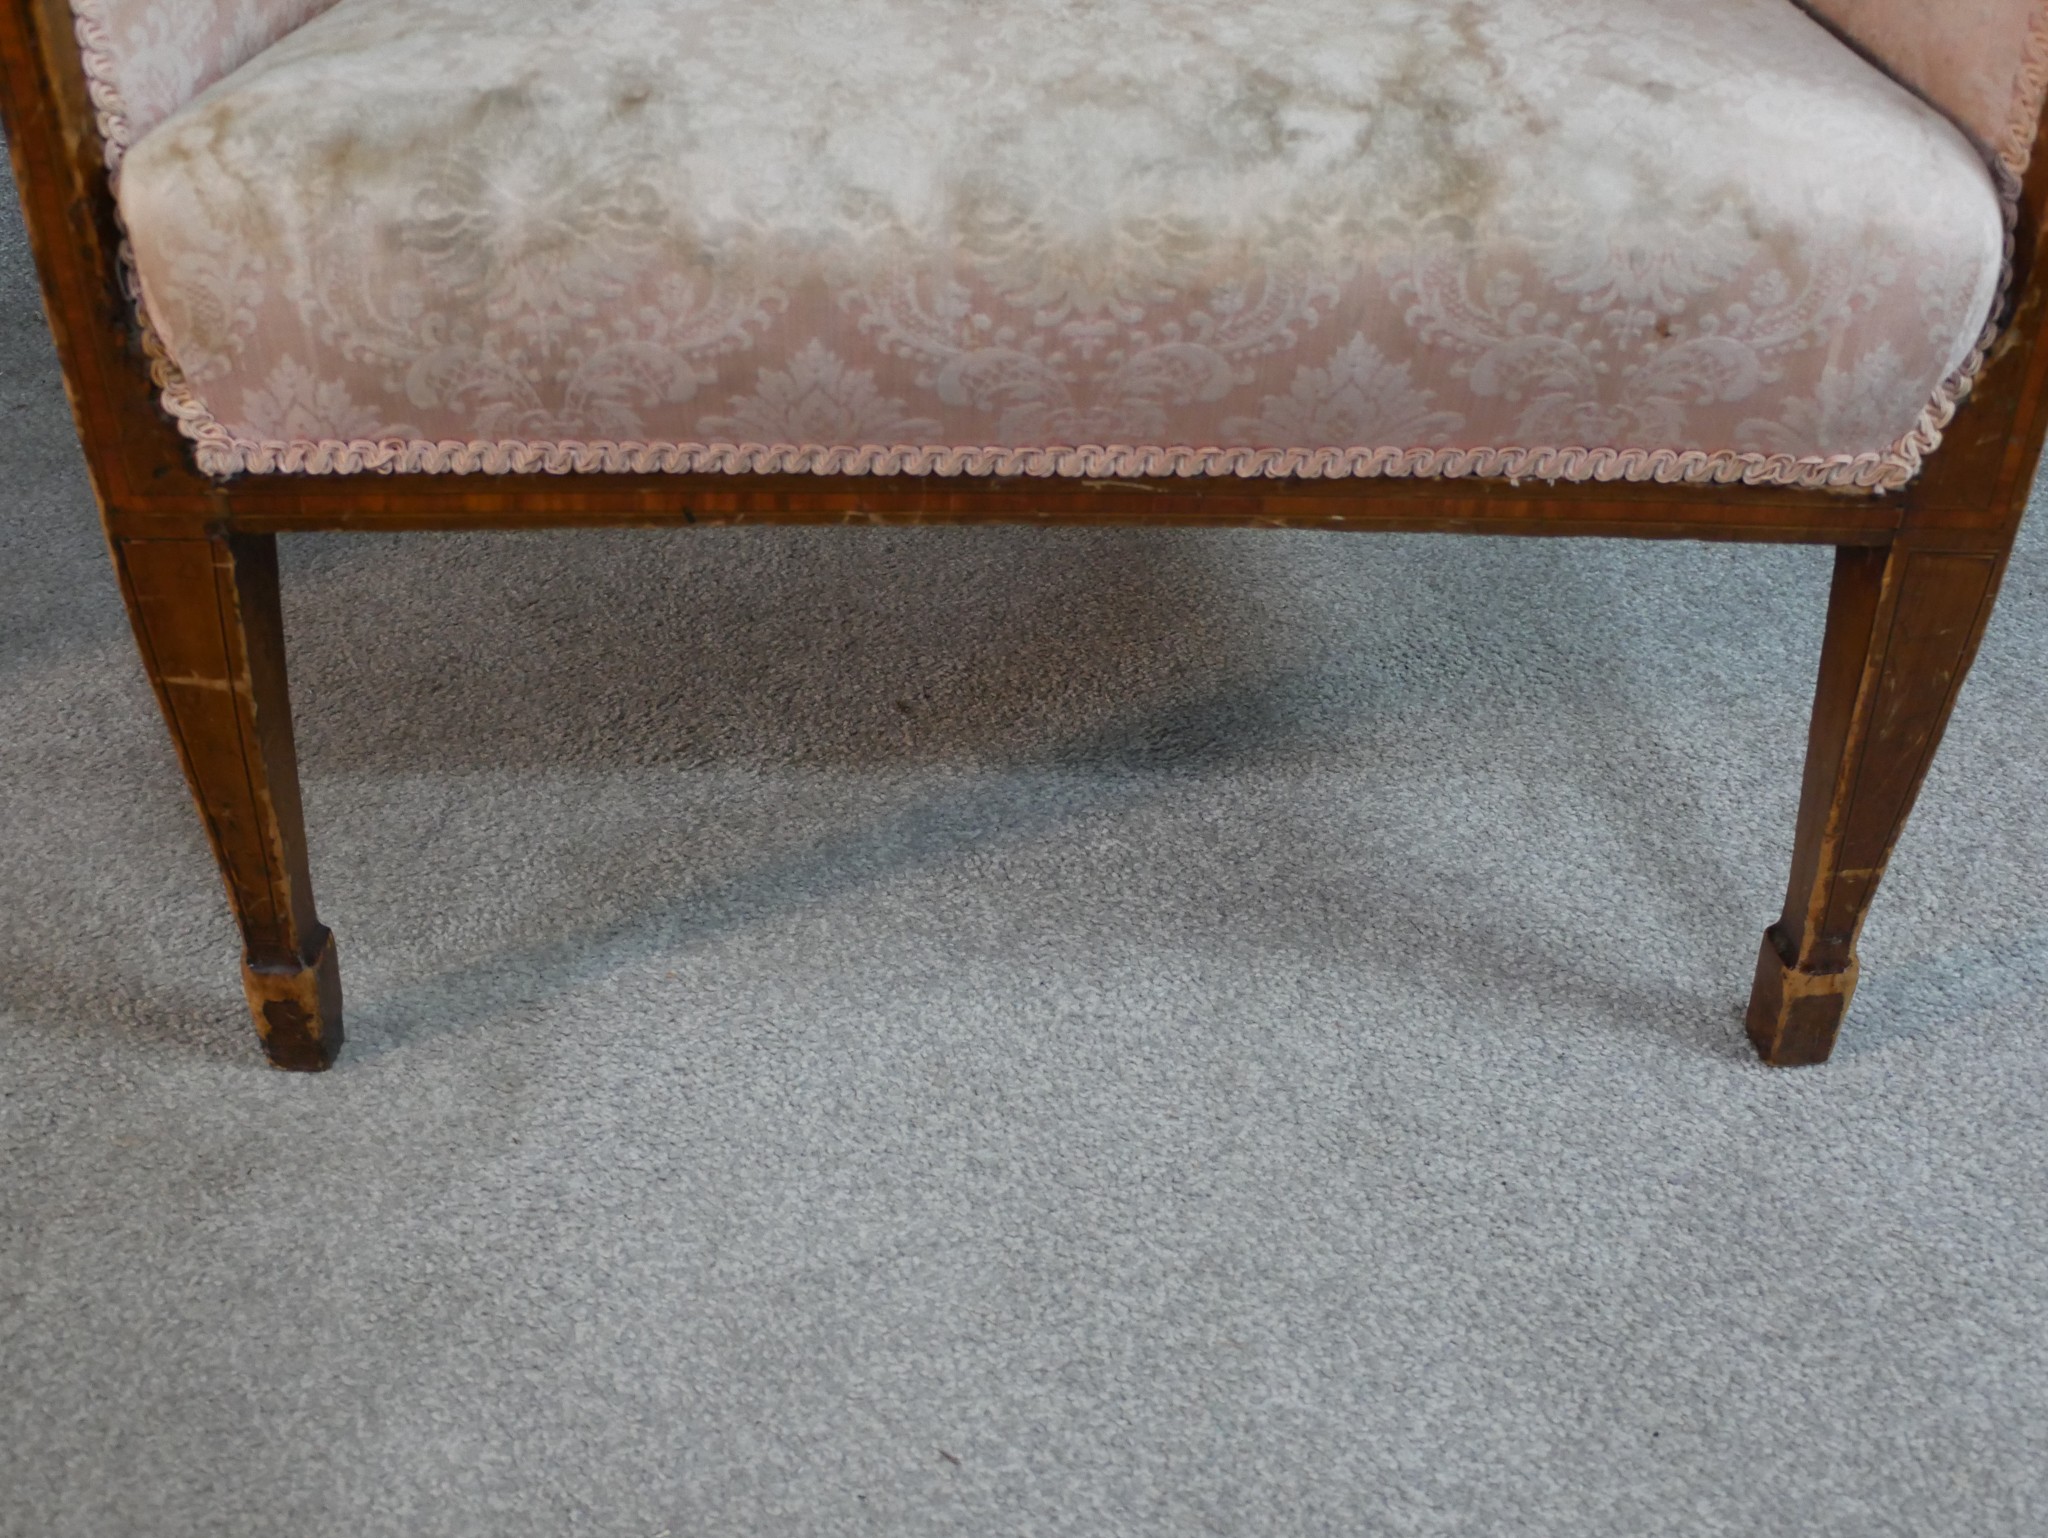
point(1585, 223)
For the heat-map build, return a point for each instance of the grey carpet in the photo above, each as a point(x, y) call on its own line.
point(1004, 1032)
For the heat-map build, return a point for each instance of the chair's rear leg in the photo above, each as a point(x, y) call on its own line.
point(206, 616)
point(1903, 627)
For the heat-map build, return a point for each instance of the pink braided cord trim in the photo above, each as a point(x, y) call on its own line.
point(96, 51)
point(220, 453)
point(2017, 151)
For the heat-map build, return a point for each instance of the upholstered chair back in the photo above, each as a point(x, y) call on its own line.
point(145, 59)
point(1984, 62)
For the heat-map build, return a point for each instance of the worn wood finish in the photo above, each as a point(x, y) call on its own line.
point(1898, 640)
point(281, 504)
point(206, 618)
point(1903, 626)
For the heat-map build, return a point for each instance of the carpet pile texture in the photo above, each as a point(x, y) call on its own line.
point(1008, 1032)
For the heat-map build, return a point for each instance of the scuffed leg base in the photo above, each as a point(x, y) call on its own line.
point(1795, 1016)
point(298, 1010)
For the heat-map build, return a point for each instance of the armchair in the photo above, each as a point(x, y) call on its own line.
point(1741, 271)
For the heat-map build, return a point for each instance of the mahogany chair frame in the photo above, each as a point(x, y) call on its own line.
point(1915, 577)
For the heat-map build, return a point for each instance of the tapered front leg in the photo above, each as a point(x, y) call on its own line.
point(206, 616)
point(1903, 628)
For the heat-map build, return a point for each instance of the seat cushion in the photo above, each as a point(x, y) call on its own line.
point(1564, 238)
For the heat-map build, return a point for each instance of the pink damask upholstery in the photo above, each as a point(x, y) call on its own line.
point(147, 58)
point(1560, 238)
point(1985, 62)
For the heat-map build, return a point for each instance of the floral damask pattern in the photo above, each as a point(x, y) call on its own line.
point(294, 403)
point(818, 399)
point(1360, 397)
point(1545, 237)
point(147, 58)
point(1849, 405)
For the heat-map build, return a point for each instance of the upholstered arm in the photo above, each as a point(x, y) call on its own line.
point(1984, 62)
point(147, 58)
